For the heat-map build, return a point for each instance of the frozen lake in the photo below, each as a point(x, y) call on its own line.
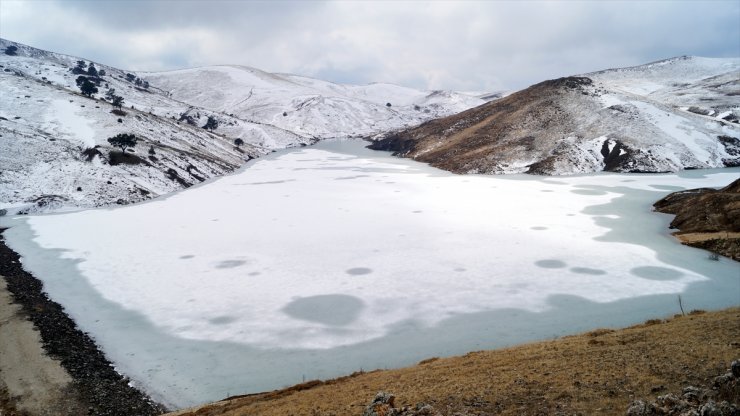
point(320, 261)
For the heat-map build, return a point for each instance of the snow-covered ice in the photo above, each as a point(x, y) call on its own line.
point(316, 262)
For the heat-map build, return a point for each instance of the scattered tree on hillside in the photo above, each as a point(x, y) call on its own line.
point(92, 71)
point(117, 101)
point(211, 124)
point(87, 88)
point(130, 77)
point(123, 141)
point(80, 68)
point(388, 105)
point(145, 84)
point(238, 142)
point(11, 50)
point(101, 72)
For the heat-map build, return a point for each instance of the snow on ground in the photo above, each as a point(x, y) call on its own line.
point(329, 259)
point(65, 119)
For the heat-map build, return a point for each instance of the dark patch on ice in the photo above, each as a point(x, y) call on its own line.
point(335, 310)
point(254, 274)
point(342, 178)
point(417, 212)
point(656, 273)
point(587, 270)
point(460, 269)
point(229, 264)
point(539, 228)
point(359, 271)
point(550, 264)
point(547, 190)
point(587, 192)
point(668, 187)
point(222, 320)
point(187, 256)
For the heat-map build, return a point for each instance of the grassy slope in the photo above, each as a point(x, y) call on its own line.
point(599, 372)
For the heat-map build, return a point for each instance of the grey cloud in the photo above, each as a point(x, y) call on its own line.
point(454, 45)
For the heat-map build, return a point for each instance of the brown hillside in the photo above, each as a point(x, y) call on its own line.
point(599, 372)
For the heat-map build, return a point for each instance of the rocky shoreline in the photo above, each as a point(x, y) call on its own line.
point(706, 218)
point(96, 384)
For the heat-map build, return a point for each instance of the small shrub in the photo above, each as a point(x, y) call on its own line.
point(118, 112)
point(713, 256)
point(238, 142)
point(388, 105)
point(90, 153)
point(119, 158)
point(599, 332)
point(428, 360)
point(211, 124)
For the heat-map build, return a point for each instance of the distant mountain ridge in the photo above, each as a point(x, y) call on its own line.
point(679, 113)
point(54, 152)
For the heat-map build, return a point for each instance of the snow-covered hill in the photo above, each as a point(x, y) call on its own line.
point(308, 106)
point(54, 152)
point(680, 113)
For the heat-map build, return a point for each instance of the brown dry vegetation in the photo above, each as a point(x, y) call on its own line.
point(599, 372)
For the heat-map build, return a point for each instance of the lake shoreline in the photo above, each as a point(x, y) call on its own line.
point(95, 385)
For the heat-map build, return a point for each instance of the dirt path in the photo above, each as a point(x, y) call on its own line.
point(37, 337)
point(30, 382)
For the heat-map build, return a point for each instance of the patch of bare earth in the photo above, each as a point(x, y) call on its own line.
point(31, 383)
point(600, 372)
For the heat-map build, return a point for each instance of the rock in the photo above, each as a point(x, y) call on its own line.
point(710, 409)
point(691, 394)
point(695, 401)
point(382, 405)
point(735, 367)
point(639, 408)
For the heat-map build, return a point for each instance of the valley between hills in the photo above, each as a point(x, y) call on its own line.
point(257, 242)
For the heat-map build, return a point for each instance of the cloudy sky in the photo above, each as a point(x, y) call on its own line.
point(474, 45)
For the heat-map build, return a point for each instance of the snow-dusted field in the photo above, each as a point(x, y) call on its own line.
point(317, 262)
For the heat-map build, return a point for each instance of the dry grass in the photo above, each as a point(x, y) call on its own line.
point(599, 372)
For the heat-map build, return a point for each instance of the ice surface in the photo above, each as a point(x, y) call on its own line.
point(321, 261)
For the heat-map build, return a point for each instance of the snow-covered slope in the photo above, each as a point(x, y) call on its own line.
point(308, 106)
point(675, 114)
point(54, 152)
